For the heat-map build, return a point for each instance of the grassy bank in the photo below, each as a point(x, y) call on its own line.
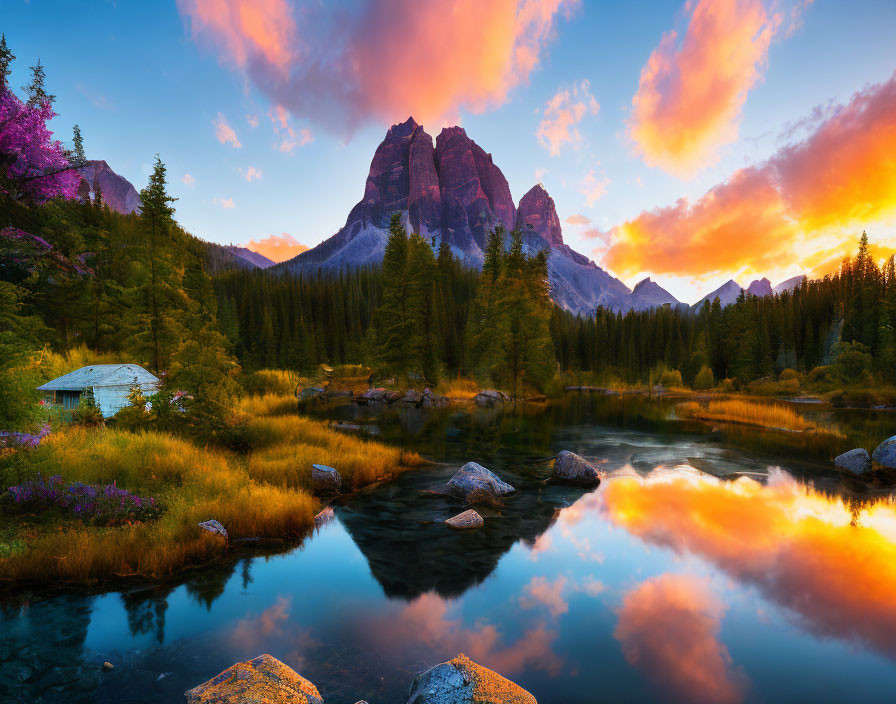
point(264, 493)
point(763, 415)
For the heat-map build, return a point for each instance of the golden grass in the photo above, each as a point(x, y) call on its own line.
point(274, 381)
point(460, 388)
point(289, 445)
point(193, 484)
point(267, 495)
point(765, 415)
point(54, 364)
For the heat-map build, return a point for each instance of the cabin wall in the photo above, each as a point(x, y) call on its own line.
point(111, 399)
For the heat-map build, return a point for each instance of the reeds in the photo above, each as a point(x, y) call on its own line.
point(765, 415)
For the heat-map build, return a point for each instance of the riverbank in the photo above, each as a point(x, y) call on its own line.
point(139, 496)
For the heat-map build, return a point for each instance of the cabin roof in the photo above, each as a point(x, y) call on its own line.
point(100, 375)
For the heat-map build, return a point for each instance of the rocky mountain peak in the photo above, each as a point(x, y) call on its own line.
point(760, 287)
point(118, 193)
point(538, 210)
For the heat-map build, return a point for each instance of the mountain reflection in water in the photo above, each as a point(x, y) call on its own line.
point(665, 584)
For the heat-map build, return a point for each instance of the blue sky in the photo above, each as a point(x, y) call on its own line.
point(141, 78)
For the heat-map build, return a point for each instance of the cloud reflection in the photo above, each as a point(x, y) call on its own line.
point(831, 564)
point(668, 627)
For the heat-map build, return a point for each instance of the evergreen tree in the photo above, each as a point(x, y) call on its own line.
point(77, 156)
point(36, 90)
point(6, 59)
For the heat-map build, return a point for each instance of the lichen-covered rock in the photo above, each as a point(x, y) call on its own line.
point(462, 681)
point(473, 476)
point(325, 478)
point(569, 467)
point(489, 398)
point(856, 461)
point(411, 398)
point(466, 520)
point(262, 680)
point(213, 526)
point(884, 457)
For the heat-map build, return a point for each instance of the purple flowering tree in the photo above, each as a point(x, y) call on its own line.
point(33, 165)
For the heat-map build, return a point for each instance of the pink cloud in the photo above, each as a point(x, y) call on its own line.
point(225, 132)
point(577, 219)
point(562, 115)
point(226, 203)
point(188, 179)
point(540, 591)
point(340, 67)
point(251, 174)
point(594, 186)
point(692, 90)
point(252, 120)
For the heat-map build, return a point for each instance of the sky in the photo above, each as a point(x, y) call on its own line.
point(690, 141)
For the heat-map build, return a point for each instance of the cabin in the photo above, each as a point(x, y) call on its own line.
point(111, 384)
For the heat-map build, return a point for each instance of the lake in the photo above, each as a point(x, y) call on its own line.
point(706, 567)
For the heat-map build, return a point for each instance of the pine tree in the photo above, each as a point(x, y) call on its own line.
point(6, 59)
point(77, 157)
point(36, 91)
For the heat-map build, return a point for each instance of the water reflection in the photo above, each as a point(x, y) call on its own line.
point(669, 628)
point(831, 562)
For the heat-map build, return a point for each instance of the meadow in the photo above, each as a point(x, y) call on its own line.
point(264, 492)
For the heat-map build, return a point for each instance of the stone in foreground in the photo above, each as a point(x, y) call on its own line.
point(884, 457)
point(569, 467)
point(473, 476)
point(466, 520)
point(855, 461)
point(262, 679)
point(462, 681)
point(213, 526)
point(325, 478)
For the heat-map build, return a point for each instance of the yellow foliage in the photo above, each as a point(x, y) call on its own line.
point(766, 415)
point(459, 388)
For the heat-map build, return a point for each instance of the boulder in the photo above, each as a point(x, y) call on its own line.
point(462, 681)
point(481, 497)
point(489, 398)
point(213, 526)
point(569, 467)
point(309, 393)
point(466, 520)
point(392, 396)
point(325, 478)
point(884, 457)
point(473, 476)
point(855, 461)
point(411, 398)
point(375, 395)
point(262, 679)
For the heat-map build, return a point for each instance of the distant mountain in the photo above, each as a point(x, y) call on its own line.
point(727, 294)
point(259, 260)
point(760, 287)
point(454, 192)
point(117, 191)
point(648, 294)
point(790, 284)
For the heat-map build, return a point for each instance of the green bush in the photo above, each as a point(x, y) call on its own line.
point(853, 361)
point(819, 374)
point(88, 413)
point(704, 379)
point(789, 374)
point(671, 378)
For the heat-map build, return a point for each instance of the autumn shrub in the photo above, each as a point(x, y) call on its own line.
point(273, 381)
point(458, 388)
point(766, 415)
point(788, 374)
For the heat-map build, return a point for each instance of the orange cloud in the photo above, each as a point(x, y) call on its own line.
point(562, 114)
point(340, 67)
point(669, 627)
point(277, 248)
point(832, 564)
point(809, 197)
point(691, 92)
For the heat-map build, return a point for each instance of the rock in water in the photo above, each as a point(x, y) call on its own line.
point(462, 681)
point(569, 467)
point(489, 398)
point(325, 478)
point(214, 527)
point(884, 457)
point(855, 461)
point(473, 476)
point(466, 520)
point(262, 679)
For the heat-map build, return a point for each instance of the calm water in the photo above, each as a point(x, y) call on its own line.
point(698, 571)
